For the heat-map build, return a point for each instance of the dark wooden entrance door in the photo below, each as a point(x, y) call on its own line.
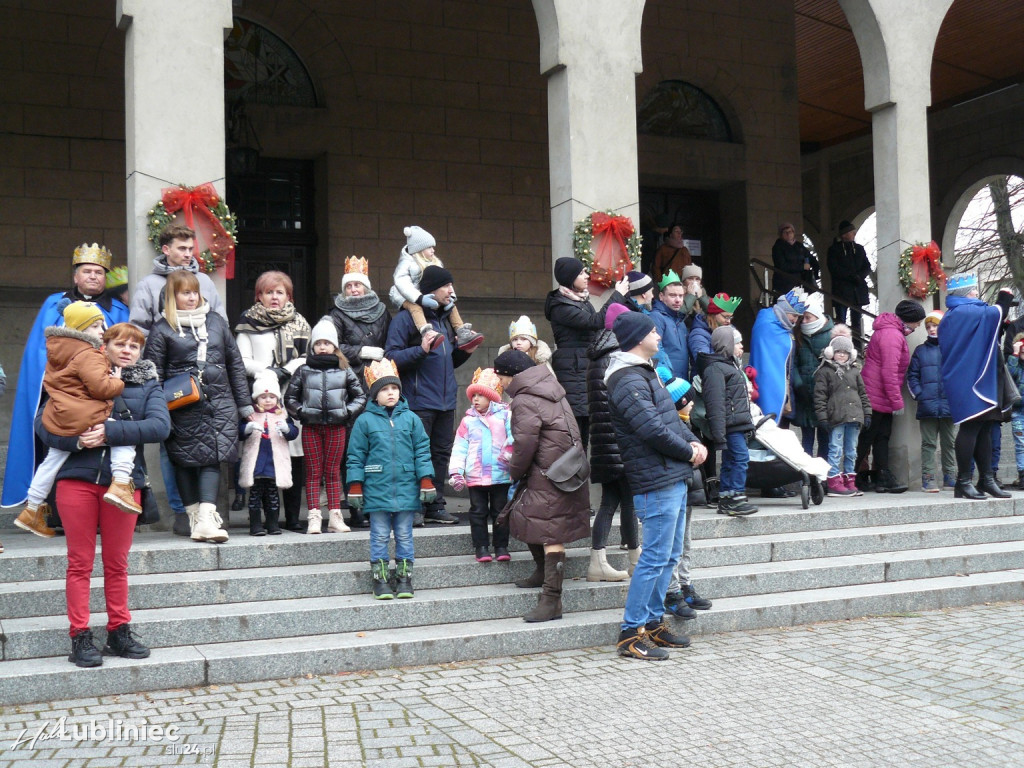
point(276, 230)
point(697, 211)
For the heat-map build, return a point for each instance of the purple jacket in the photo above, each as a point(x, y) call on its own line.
point(885, 363)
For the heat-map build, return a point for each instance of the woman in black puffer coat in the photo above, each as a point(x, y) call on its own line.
point(574, 324)
point(606, 462)
point(361, 319)
point(204, 433)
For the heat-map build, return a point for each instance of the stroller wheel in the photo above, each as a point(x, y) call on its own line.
point(817, 491)
point(805, 495)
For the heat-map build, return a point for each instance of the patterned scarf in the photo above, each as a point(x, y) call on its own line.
point(570, 294)
point(290, 329)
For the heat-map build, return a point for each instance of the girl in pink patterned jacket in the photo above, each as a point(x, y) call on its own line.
point(483, 446)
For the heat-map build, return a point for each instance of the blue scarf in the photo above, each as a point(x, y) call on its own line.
point(968, 340)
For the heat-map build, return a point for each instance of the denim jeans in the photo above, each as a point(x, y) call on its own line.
point(170, 484)
point(663, 515)
point(1017, 425)
point(842, 447)
point(732, 477)
point(381, 526)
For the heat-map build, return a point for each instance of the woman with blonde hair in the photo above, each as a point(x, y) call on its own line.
point(189, 338)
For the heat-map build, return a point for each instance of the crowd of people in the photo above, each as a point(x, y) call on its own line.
point(640, 397)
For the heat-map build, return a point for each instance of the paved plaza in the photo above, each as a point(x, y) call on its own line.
point(943, 688)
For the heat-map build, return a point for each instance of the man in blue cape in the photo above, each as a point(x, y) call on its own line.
point(91, 264)
point(771, 351)
point(974, 380)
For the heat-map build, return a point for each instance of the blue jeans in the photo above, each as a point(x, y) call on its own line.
point(1017, 425)
point(663, 514)
point(842, 447)
point(381, 526)
point(732, 477)
point(170, 484)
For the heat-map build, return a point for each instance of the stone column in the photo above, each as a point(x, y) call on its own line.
point(174, 106)
point(896, 53)
point(590, 53)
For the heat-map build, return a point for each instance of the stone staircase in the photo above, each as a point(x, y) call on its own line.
point(274, 607)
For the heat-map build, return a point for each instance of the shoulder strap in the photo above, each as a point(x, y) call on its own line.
point(122, 409)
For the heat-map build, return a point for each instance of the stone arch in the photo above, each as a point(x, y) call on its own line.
point(951, 209)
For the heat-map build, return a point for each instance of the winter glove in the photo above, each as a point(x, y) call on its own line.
point(355, 495)
point(251, 427)
point(1005, 300)
point(371, 353)
point(282, 428)
point(427, 491)
point(245, 412)
point(282, 375)
point(505, 456)
point(458, 482)
point(427, 301)
point(867, 422)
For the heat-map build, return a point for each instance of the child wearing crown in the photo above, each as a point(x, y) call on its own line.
point(483, 446)
point(416, 255)
point(389, 474)
point(522, 335)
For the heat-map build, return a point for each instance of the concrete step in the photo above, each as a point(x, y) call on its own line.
point(36, 636)
point(736, 550)
point(41, 679)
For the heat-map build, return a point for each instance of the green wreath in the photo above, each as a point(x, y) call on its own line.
point(159, 218)
point(583, 238)
point(928, 255)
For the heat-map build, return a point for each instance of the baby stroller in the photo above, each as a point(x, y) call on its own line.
point(773, 461)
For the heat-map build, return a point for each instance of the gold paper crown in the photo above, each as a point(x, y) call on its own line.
point(354, 265)
point(92, 254)
point(380, 369)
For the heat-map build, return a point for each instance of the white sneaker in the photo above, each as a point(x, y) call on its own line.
point(336, 523)
point(313, 525)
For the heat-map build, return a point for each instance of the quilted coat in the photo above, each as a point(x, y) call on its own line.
point(725, 396)
point(543, 429)
point(360, 323)
point(323, 395)
point(482, 445)
point(924, 380)
point(605, 457)
point(204, 433)
point(885, 363)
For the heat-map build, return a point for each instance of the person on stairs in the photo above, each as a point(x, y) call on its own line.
point(540, 513)
point(480, 454)
point(266, 464)
point(389, 470)
point(324, 395)
point(924, 380)
point(841, 407)
point(658, 451)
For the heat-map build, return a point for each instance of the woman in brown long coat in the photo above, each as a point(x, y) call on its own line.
point(546, 518)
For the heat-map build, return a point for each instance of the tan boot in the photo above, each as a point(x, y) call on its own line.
point(601, 570)
point(205, 527)
point(34, 521)
point(336, 523)
point(634, 558)
point(314, 523)
point(192, 512)
point(122, 496)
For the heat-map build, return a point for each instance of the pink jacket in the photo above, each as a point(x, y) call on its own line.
point(885, 363)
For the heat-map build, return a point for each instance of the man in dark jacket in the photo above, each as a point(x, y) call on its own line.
point(428, 377)
point(658, 451)
point(849, 267)
point(670, 319)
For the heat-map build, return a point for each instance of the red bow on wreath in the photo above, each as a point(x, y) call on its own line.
point(926, 263)
point(611, 261)
point(202, 199)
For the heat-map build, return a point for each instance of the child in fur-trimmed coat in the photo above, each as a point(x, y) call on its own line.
point(266, 464)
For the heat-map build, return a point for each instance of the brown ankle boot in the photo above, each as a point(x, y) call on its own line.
point(549, 606)
point(122, 496)
point(536, 578)
point(34, 521)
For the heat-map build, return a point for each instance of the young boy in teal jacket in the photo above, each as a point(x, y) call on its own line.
point(389, 473)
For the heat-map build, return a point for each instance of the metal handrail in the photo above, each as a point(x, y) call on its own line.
point(799, 279)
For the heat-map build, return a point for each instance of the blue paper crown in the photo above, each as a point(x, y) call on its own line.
point(961, 280)
point(798, 301)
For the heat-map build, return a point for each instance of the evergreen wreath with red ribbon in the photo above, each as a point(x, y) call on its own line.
point(617, 250)
point(204, 211)
point(920, 270)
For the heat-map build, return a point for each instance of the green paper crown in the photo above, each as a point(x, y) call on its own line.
point(670, 278)
point(724, 303)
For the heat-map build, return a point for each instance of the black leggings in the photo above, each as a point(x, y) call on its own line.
point(198, 484)
point(875, 440)
point(615, 494)
point(974, 441)
point(583, 424)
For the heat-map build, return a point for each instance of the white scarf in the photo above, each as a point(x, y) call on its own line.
point(195, 319)
point(571, 294)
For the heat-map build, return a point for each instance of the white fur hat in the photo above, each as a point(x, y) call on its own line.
point(265, 383)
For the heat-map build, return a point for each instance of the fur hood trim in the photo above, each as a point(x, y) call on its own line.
point(140, 373)
point(71, 333)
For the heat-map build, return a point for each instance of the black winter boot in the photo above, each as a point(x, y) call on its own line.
point(255, 515)
point(987, 484)
point(549, 606)
point(964, 489)
point(120, 642)
point(381, 581)
point(536, 578)
point(83, 652)
point(357, 519)
point(865, 481)
point(887, 483)
point(272, 512)
point(403, 579)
